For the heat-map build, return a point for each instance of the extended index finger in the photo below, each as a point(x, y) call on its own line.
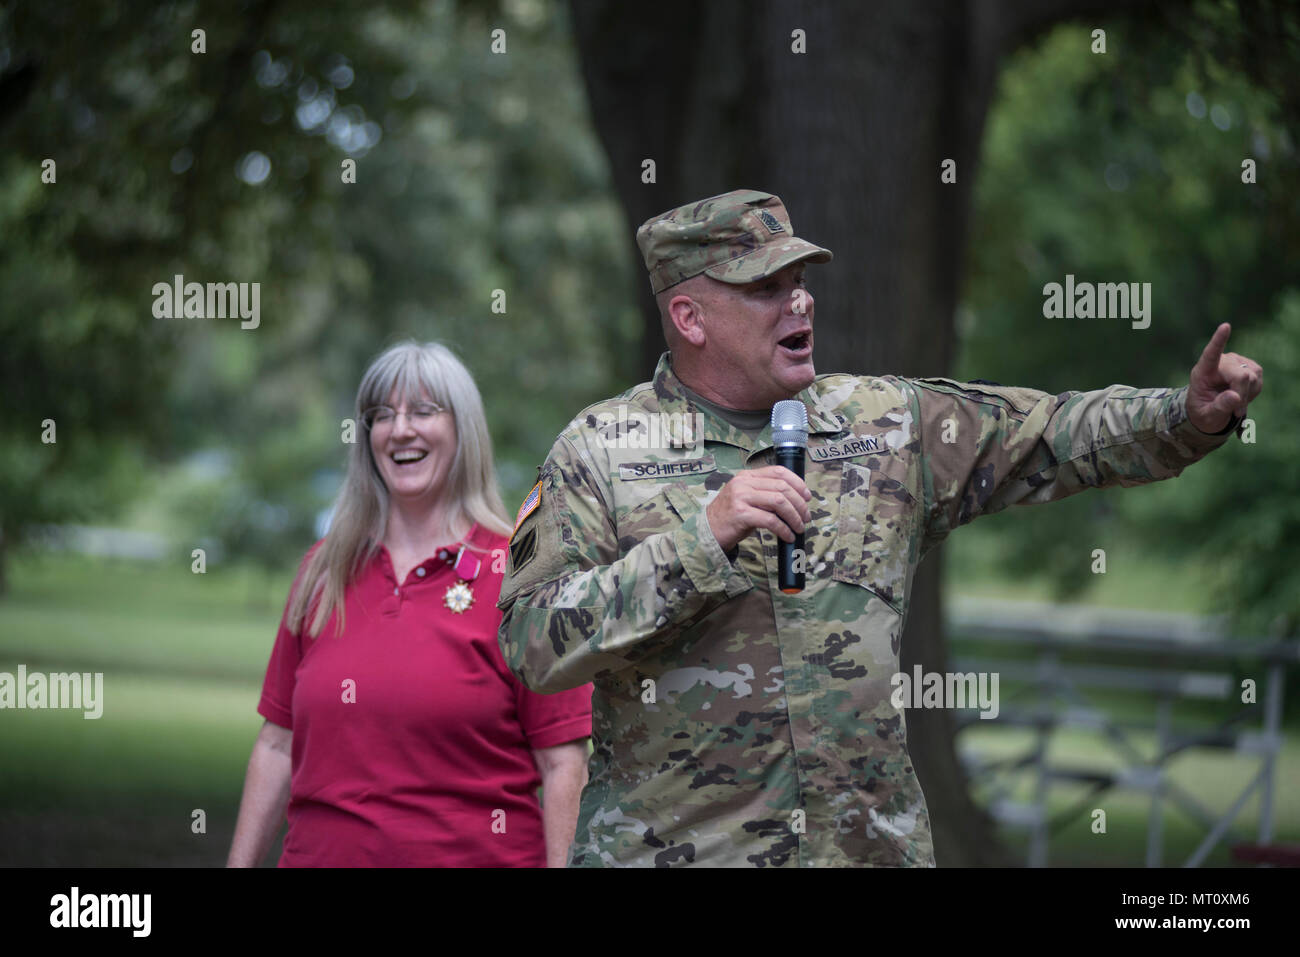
point(1213, 350)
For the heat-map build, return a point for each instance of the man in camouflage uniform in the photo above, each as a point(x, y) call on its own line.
point(734, 724)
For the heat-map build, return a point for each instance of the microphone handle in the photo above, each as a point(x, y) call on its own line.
point(791, 582)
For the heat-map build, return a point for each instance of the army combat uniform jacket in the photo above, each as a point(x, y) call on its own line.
point(737, 725)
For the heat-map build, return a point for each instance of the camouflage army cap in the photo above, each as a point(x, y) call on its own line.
point(735, 237)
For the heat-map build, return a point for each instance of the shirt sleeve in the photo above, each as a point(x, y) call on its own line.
point(552, 719)
point(986, 447)
point(276, 703)
point(277, 687)
point(580, 602)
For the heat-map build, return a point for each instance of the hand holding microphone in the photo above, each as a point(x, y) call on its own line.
point(789, 440)
point(773, 497)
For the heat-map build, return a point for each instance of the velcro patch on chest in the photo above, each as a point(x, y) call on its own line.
point(632, 471)
point(846, 449)
point(523, 550)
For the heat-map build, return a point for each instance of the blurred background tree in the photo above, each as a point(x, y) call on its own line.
point(1128, 167)
point(226, 166)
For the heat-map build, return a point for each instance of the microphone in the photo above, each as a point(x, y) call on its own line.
point(789, 439)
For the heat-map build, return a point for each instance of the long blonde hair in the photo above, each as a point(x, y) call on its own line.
point(359, 518)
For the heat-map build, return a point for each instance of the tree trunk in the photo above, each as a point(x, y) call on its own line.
point(851, 135)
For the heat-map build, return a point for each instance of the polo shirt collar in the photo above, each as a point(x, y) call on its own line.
point(478, 535)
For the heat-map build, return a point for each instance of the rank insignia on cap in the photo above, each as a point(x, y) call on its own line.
point(771, 222)
point(533, 500)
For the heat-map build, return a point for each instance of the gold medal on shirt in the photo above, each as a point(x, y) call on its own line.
point(460, 597)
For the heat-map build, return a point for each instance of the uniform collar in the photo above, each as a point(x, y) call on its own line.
point(673, 399)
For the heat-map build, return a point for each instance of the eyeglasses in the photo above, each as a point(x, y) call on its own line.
point(383, 416)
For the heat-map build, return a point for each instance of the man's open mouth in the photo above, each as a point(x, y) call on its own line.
point(408, 456)
point(798, 343)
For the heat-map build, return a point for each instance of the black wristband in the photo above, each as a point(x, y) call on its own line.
point(1232, 427)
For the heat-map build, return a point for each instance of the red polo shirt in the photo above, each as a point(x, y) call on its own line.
point(411, 738)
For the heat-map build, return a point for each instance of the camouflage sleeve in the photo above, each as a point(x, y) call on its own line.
point(583, 598)
point(985, 447)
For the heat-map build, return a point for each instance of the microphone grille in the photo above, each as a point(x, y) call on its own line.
point(789, 423)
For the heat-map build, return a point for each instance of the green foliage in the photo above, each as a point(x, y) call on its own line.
point(1126, 167)
point(1239, 511)
point(65, 343)
point(475, 172)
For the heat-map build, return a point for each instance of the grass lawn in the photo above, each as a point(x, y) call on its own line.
point(183, 657)
point(95, 614)
point(122, 790)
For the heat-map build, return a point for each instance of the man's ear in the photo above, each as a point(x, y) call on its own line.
point(687, 316)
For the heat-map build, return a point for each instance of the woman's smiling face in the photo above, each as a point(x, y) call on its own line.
point(413, 448)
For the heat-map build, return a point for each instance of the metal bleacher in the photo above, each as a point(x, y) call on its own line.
point(1177, 658)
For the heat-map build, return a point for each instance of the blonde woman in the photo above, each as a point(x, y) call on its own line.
point(395, 735)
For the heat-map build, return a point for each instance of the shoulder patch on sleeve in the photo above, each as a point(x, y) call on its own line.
point(533, 500)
